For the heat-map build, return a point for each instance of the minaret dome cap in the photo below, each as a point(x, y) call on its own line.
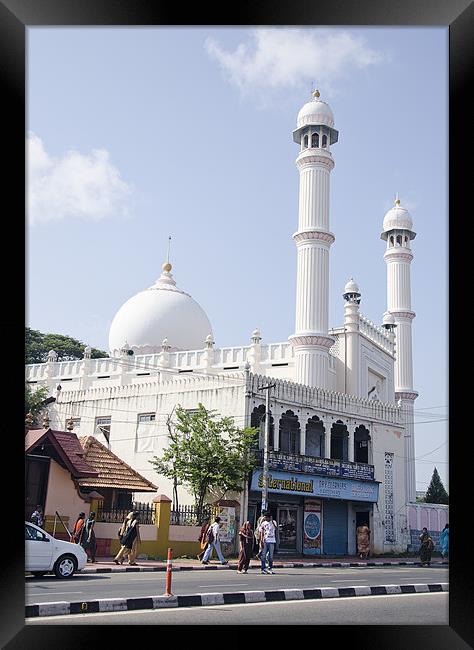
point(315, 113)
point(397, 218)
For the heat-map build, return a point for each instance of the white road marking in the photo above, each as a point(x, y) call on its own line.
point(236, 584)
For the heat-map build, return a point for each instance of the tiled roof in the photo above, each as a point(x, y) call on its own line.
point(112, 471)
point(66, 445)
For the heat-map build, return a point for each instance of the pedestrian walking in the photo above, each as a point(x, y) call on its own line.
point(363, 541)
point(213, 542)
point(203, 537)
point(130, 541)
point(268, 538)
point(38, 516)
point(78, 529)
point(89, 542)
point(426, 547)
point(246, 546)
point(258, 542)
point(444, 541)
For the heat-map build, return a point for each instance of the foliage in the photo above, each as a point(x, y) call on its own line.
point(34, 400)
point(67, 348)
point(206, 452)
point(436, 492)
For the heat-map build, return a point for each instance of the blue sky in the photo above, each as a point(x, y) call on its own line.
point(135, 134)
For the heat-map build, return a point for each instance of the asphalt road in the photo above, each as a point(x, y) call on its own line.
point(406, 609)
point(119, 585)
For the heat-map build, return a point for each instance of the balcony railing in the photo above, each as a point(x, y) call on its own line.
point(286, 462)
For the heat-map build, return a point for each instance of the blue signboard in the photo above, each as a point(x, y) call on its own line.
point(317, 486)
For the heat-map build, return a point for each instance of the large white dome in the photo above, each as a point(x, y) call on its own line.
point(161, 311)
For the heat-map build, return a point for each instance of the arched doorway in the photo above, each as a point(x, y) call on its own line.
point(314, 437)
point(339, 441)
point(257, 419)
point(290, 433)
point(361, 444)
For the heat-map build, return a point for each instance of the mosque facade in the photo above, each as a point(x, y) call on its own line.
point(341, 443)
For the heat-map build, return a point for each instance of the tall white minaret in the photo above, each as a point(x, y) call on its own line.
point(315, 135)
point(398, 232)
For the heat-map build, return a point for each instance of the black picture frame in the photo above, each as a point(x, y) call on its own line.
point(15, 17)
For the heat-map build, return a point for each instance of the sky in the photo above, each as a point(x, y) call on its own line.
point(138, 134)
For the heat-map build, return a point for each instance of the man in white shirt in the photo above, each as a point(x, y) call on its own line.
point(268, 536)
point(213, 542)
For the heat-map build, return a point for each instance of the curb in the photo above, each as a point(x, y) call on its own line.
point(240, 597)
point(221, 567)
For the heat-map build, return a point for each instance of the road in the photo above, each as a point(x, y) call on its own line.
point(406, 609)
point(119, 585)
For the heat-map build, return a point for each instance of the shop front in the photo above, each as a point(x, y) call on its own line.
point(315, 514)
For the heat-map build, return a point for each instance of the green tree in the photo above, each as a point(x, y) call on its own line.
point(35, 401)
point(67, 348)
point(207, 452)
point(436, 492)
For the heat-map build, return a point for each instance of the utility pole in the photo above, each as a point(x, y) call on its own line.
point(268, 387)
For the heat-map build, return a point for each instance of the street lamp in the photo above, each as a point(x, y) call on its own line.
point(268, 387)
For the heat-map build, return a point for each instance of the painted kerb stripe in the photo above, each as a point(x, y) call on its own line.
point(196, 600)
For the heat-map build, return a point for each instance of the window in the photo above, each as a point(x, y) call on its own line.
point(102, 427)
point(391, 240)
point(34, 535)
point(146, 432)
point(76, 424)
point(399, 240)
point(305, 142)
point(325, 141)
point(315, 140)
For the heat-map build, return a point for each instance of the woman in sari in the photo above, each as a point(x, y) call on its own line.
point(363, 541)
point(202, 539)
point(444, 541)
point(78, 530)
point(426, 547)
point(246, 547)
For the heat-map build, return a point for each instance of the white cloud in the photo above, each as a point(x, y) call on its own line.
point(75, 185)
point(285, 57)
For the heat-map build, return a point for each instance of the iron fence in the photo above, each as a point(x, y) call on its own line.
point(189, 516)
point(117, 515)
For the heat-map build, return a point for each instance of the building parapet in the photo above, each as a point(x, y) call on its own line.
point(375, 334)
point(331, 401)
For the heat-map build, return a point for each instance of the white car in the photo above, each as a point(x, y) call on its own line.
point(44, 553)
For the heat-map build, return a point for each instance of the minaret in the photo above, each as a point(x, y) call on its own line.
point(398, 232)
point(351, 297)
point(315, 135)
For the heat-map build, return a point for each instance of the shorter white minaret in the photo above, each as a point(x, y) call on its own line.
point(351, 296)
point(398, 233)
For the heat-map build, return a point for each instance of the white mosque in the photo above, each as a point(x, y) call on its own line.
point(341, 434)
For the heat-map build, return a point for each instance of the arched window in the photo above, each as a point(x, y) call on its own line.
point(257, 419)
point(399, 240)
point(314, 437)
point(361, 444)
point(339, 441)
point(325, 141)
point(290, 433)
point(406, 240)
point(391, 240)
point(305, 142)
point(315, 140)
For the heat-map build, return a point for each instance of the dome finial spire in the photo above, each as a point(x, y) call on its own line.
point(397, 200)
point(316, 94)
point(167, 266)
